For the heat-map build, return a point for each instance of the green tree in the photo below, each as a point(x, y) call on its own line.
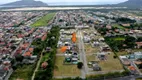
point(79, 65)
point(19, 58)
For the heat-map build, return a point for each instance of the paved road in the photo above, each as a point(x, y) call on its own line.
point(13, 53)
point(9, 74)
point(137, 70)
point(84, 70)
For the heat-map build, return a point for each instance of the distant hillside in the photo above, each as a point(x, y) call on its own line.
point(131, 4)
point(27, 3)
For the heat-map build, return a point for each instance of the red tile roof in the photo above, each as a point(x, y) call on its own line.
point(44, 37)
point(139, 43)
point(27, 54)
point(31, 49)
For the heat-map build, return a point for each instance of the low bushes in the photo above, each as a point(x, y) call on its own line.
point(108, 75)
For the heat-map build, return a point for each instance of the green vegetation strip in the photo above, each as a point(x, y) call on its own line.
point(47, 74)
point(118, 26)
point(44, 20)
point(22, 72)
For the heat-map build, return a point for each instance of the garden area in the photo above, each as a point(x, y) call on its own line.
point(43, 21)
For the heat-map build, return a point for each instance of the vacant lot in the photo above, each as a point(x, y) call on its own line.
point(91, 58)
point(22, 73)
point(65, 70)
point(111, 63)
point(90, 50)
point(44, 20)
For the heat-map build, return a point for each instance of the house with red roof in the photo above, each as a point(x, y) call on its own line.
point(139, 44)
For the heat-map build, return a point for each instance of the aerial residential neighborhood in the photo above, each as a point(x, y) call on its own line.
point(83, 42)
point(102, 44)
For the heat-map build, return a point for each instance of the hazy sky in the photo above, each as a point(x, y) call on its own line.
point(56, 1)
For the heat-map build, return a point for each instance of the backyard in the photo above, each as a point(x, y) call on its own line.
point(44, 20)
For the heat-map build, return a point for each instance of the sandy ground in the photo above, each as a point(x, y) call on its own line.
point(60, 8)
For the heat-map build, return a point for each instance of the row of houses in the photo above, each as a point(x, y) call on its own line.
point(71, 50)
point(9, 19)
point(15, 41)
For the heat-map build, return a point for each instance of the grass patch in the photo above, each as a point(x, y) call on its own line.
point(45, 57)
point(137, 50)
point(105, 65)
point(22, 73)
point(91, 58)
point(139, 79)
point(118, 26)
point(119, 39)
point(90, 50)
point(43, 21)
point(111, 64)
point(122, 53)
point(65, 70)
point(59, 51)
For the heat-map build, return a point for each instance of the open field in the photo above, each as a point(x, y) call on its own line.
point(44, 20)
point(65, 70)
point(105, 65)
point(22, 73)
point(90, 50)
point(91, 58)
point(111, 63)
